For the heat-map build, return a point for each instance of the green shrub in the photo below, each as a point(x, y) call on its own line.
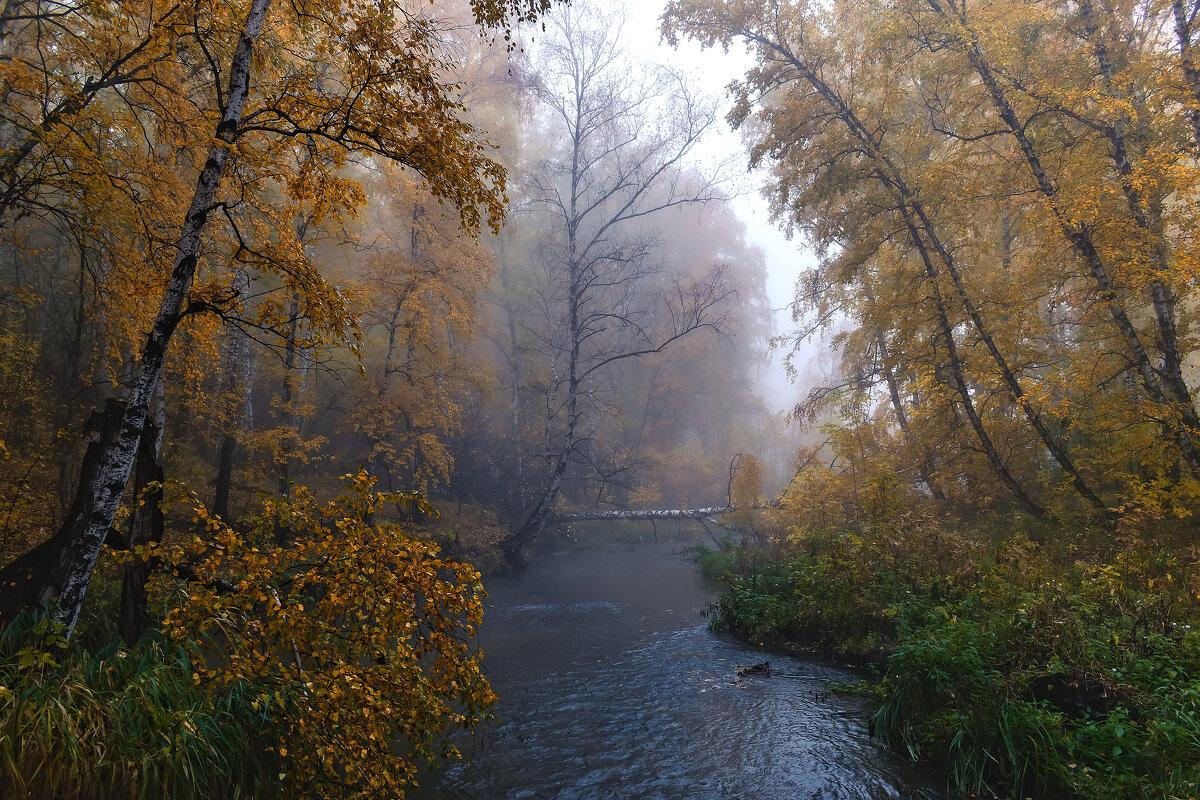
point(1023, 674)
point(830, 601)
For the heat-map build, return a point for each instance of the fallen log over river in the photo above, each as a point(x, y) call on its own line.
point(655, 514)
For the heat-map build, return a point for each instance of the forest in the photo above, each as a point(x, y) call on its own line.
point(314, 313)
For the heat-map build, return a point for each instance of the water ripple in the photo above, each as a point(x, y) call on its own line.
point(612, 687)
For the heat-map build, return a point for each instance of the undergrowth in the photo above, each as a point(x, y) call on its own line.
point(123, 722)
point(323, 667)
point(1024, 672)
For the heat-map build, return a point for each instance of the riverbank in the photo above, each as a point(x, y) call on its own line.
point(1019, 667)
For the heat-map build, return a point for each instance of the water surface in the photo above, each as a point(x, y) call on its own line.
point(611, 686)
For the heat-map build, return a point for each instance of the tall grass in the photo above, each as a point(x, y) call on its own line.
point(1022, 672)
point(123, 723)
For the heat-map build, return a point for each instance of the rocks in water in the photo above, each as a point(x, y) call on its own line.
point(758, 669)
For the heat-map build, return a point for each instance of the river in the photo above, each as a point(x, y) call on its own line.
point(611, 686)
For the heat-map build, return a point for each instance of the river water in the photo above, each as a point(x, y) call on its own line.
point(611, 686)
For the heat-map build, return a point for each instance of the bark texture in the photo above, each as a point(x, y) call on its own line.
point(102, 490)
point(146, 526)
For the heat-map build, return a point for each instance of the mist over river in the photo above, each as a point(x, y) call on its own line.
point(611, 686)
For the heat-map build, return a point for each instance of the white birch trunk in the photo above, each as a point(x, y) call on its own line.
point(79, 557)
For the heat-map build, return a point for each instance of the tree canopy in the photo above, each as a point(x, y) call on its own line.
point(1004, 195)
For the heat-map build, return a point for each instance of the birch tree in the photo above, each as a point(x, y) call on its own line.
point(622, 140)
point(1003, 195)
point(363, 80)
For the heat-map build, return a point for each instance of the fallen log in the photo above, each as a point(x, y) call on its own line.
point(662, 513)
point(711, 514)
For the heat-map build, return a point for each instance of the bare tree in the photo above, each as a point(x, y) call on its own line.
point(621, 138)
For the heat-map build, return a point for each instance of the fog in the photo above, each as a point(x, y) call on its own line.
point(712, 70)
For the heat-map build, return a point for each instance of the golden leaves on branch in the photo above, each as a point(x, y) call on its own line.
point(358, 633)
point(1026, 171)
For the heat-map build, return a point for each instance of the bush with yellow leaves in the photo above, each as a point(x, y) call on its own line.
point(360, 635)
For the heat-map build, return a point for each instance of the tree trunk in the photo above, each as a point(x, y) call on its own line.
point(618, 171)
point(287, 398)
point(1187, 63)
point(237, 381)
point(923, 236)
point(1181, 418)
point(146, 526)
point(515, 420)
point(535, 521)
point(27, 581)
point(902, 420)
point(295, 379)
point(1057, 449)
point(1147, 213)
point(959, 381)
point(224, 482)
point(102, 490)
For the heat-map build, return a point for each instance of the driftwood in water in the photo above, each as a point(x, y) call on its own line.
point(758, 669)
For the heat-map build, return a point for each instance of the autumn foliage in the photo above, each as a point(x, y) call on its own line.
point(333, 667)
point(1004, 199)
point(359, 634)
point(999, 506)
point(191, 177)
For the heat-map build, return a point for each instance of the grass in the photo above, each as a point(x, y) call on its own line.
point(122, 723)
point(1023, 673)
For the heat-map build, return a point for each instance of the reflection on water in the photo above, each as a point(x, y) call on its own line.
point(611, 686)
